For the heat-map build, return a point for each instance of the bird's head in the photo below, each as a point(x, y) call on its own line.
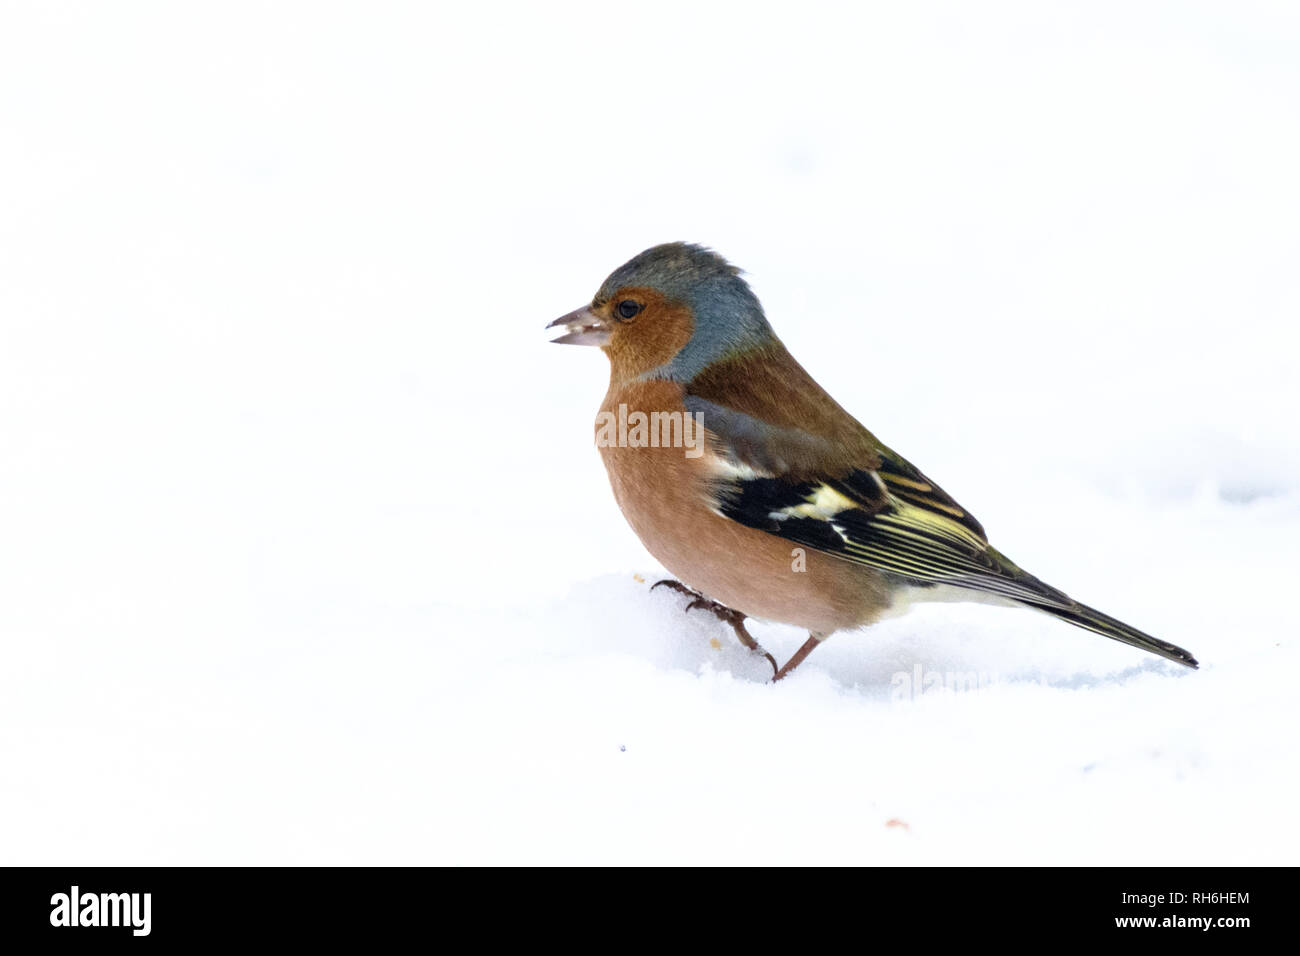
point(669, 313)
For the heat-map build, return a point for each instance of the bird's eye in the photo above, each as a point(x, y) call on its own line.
point(628, 309)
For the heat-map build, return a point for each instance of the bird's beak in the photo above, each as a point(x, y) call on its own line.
point(582, 327)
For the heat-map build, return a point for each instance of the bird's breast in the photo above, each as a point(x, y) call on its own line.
point(663, 474)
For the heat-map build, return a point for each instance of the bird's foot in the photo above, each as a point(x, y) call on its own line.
point(722, 613)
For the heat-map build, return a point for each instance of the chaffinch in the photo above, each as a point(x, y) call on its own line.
point(784, 508)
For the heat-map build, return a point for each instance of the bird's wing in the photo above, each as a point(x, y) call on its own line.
point(890, 518)
point(797, 465)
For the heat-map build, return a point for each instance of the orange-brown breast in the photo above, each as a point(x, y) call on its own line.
point(663, 493)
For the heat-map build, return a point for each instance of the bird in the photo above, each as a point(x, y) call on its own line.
point(752, 486)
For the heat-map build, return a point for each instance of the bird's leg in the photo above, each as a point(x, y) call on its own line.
point(799, 655)
point(737, 622)
point(722, 613)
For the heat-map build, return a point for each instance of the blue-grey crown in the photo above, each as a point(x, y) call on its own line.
point(728, 316)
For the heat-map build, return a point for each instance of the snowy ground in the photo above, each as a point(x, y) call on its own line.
point(305, 554)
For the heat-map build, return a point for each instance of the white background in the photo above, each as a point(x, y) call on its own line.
point(305, 552)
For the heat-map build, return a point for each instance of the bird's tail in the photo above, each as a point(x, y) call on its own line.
point(1010, 581)
point(1080, 615)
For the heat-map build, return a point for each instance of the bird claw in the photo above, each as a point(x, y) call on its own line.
point(674, 585)
point(720, 611)
point(723, 613)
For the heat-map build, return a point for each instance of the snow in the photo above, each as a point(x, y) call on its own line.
point(305, 552)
